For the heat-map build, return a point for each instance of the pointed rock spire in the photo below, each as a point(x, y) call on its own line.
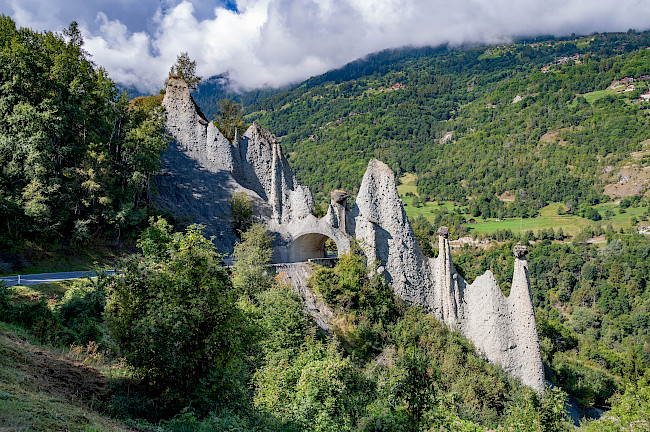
point(523, 320)
point(445, 280)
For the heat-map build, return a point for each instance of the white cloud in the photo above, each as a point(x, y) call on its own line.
point(274, 42)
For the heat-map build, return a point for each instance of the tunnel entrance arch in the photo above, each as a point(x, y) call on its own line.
point(311, 246)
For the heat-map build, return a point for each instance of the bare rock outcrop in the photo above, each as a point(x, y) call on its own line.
point(203, 170)
point(502, 328)
point(380, 224)
point(267, 172)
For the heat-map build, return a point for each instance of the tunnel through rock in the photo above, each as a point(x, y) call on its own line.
point(311, 246)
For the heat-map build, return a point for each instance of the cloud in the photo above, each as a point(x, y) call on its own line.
point(275, 42)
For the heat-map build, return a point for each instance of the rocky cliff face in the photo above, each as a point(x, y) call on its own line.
point(203, 170)
point(502, 328)
point(266, 170)
point(380, 224)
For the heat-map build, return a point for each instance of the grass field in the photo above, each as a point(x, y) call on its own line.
point(50, 389)
point(548, 217)
point(52, 291)
point(599, 94)
point(407, 185)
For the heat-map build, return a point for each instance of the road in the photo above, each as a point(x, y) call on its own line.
point(34, 279)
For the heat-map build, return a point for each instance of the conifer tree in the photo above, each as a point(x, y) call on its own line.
point(185, 68)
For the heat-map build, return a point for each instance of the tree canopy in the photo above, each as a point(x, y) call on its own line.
point(76, 157)
point(185, 68)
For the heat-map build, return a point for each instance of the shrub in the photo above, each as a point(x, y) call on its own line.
point(241, 211)
point(173, 314)
point(251, 259)
point(81, 311)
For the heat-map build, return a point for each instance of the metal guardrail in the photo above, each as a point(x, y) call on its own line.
point(37, 278)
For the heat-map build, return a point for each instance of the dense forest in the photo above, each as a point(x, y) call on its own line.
point(76, 156)
point(472, 123)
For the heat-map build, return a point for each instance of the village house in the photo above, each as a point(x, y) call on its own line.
point(629, 88)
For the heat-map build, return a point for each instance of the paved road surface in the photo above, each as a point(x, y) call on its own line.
point(34, 279)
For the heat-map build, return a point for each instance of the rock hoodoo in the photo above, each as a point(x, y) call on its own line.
point(203, 170)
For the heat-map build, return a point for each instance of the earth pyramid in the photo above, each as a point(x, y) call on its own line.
point(202, 170)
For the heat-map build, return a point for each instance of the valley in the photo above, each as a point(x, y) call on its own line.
point(486, 206)
point(629, 218)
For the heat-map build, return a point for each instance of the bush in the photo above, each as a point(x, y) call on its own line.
point(351, 286)
point(241, 211)
point(629, 411)
point(318, 389)
point(589, 384)
point(81, 311)
point(593, 214)
point(173, 314)
point(535, 414)
point(251, 259)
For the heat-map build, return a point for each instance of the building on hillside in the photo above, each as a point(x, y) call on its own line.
point(645, 97)
point(626, 80)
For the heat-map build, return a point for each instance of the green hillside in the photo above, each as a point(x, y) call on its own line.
point(472, 123)
point(178, 341)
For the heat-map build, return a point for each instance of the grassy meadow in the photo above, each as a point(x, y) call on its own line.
point(548, 217)
point(46, 388)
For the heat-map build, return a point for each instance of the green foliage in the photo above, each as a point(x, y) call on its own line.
point(76, 319)
point(241, 211)
point(554, 337)
point(542, 149)
point(629, 411)
point(251, 259)
point(76, 159)
point(229, 119)
point(363, 295)
point(172, 313)
point(539, 414)
point(475, 391)
point(590, 384)
point(154, 241)
point(185, 68)
point(282, 321)
point(354, 288)
point(592, 309)
point(81, 311)
point(35, 316)
point(318, 389)
point(592, 213)
point(415, 390)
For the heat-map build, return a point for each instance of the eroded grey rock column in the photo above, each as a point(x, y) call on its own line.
point(523, 321)
point(445, 279)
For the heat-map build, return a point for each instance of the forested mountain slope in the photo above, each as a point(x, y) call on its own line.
point(219, 87)
point(178, 342)
point(490, 119)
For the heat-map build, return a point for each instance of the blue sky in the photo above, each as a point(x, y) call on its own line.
point(276, 42)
